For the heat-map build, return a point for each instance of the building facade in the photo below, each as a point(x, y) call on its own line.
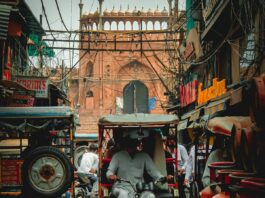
point(125, 68)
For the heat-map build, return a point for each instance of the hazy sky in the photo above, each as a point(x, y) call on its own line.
point(70, 14)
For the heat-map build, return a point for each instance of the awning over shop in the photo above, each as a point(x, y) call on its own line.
point(182, 125)
point(192, 115)
point(4, 20)
point(216, 106)
point(86, 136)
point(224, 125)
point(14, 9)
point(32, 23)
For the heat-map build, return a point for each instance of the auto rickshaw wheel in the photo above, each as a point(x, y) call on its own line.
point(46, 172)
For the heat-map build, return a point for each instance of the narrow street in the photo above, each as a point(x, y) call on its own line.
point(132, 99)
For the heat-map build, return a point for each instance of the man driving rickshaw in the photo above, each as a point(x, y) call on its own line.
point(148, 153)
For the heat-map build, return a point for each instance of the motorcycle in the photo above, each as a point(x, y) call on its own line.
point(147, 190)
point(84, 189)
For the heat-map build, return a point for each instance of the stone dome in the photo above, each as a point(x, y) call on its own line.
point(90, 14)
point(96, 12)
point(85, 14)
point(121, 12)
point(114, 12)
point(150, 12)
point(143, 12)
point(164, 12)
point(106, 12)
point(128, 12)
point(135, 11)
point(157, 11)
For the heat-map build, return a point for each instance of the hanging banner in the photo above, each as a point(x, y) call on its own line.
point(188, 93)
point(38, 84)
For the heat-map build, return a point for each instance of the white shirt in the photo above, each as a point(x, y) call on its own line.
point(88, 161)
point(190, 164)
point(182, 156)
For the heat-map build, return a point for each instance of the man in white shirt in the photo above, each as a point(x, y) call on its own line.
point(190, 163)
point(89, 165)
point(182, 157)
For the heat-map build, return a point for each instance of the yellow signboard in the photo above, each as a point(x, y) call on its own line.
point(217, 89)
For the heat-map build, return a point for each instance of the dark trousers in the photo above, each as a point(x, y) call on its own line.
point(181, 186)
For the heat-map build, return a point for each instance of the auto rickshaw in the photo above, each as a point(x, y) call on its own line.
point(152, 129)
point(36, 149)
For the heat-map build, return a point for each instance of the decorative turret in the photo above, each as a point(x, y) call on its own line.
point(128, 12)
point(96, 12)
point(157, 12)
point(150, 12)
point(164, 12)
point(135, 11)
point(114, 12)
point(90, 14)
point(85, 14)
point(121, 12)
point(106, 12)
point(143, 12)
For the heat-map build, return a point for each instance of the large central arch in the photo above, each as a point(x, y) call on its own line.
point(135, 95)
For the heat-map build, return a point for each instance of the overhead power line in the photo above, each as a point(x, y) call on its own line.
point(43, 8)
point(61, 15)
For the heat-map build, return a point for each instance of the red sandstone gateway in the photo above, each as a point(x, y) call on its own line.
point(151, 129)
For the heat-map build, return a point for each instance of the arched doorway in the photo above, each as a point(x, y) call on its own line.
point(135, 95)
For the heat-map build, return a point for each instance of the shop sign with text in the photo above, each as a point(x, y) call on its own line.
point(188, 93)
point(40, 85)
point(217, 89)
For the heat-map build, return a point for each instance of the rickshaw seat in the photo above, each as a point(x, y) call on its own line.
point(221, 195)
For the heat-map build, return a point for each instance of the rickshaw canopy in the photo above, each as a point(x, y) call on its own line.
point(36, 112)
point(86, 136)
point(138, 119)
point(34, 119)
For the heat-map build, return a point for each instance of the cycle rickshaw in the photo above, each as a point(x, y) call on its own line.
point(151, 128)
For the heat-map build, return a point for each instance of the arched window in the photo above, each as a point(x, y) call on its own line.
point(89, 100)
point(89, 94)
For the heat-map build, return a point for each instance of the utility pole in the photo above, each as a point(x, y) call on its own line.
point(100, 15)
point(81, 5)
point(81, 81)
point(40, 49)
point(101, 57)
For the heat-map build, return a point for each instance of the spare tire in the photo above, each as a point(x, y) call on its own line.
point(78, 154)
point(46, 172)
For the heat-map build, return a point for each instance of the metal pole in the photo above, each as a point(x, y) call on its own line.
point(81, 12)
point(100, 14)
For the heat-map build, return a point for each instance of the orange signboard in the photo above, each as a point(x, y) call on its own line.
point(217, 89)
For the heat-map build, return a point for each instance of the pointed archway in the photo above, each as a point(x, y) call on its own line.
point(135, 95)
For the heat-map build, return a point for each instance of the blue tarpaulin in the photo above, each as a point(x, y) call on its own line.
point(152, 103)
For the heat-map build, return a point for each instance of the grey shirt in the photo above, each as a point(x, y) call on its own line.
point(132, 168)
